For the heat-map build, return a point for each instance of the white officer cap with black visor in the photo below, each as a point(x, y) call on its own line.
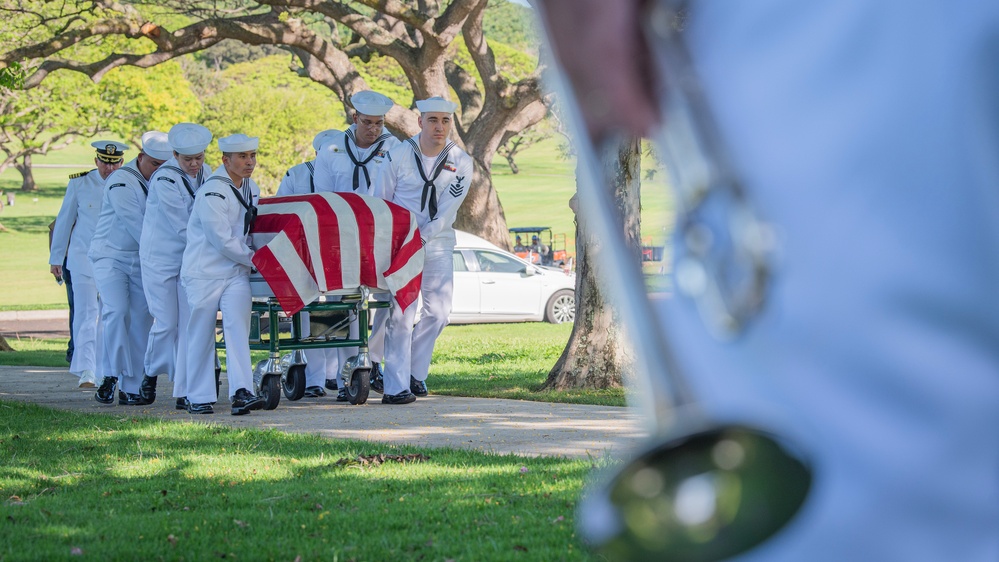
point(189, 139)
point(238, 143)
point(436, 104)
point(156, 145)
point(367, 102)
point(110, 152)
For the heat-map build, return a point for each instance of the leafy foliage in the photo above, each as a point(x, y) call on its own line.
point(262, 98)
point(142, 100)
point(513, 25)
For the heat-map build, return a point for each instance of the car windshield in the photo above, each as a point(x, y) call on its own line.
point(498, 263)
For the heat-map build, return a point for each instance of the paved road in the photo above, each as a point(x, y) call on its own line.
point(496, 426)
point(39, 328)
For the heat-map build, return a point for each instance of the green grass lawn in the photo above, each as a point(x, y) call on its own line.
point(113, 487)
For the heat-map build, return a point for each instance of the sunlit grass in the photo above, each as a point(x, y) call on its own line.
point(123, 488)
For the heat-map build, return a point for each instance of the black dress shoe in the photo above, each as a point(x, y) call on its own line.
point(404, 397)
point(205, 408)
point(418, 388)
point(377, 380)
point(181, 403)
point(341, 395)
point(129, 399)
point(331, 384)
point(105, 393)
point(314, 392)
point(244, 401)
point(147, 389)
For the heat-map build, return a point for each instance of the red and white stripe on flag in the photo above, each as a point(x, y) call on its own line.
point(310, 244)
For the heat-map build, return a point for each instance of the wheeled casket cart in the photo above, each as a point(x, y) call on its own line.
point(337, 257)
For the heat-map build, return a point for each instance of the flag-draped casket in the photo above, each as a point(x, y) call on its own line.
point(308, 245)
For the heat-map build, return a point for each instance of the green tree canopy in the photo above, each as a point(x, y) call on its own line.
point(330, 41)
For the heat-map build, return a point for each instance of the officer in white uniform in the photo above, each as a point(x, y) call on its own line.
point(161, 249)
point(430, 176)
point(216, 276)
point(114, 253)
point(300, 180)
point(71, 237)
point(349, 163)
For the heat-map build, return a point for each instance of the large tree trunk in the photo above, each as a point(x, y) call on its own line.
point(481, 212)
point(596, 353)
point(4, 346)
point(27, 177)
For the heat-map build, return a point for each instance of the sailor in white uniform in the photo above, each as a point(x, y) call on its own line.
point(300, 180)
point(71, 237)
point(349, 163)
point(114, 253)
point(164, 236)
point(216, 276)
point(430, 176)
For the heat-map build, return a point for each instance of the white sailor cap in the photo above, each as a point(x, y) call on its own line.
point(436, 104)
point(189, 138)
point(324, 137)
point(110, 151)
point(238, 143)
point(156, 145)
point(367, 102)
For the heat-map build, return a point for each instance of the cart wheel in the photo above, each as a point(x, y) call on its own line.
point(357, 391)
point(270, 390)
point(294, 382)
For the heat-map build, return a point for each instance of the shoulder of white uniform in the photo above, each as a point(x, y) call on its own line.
point(168, 171)
point(118, 178)
point(302, 168)
point(214, 183)
point(333, 145)
point(81, 174)
point(399, 149)
point(390, 143)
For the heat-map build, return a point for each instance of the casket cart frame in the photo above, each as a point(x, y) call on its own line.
point(330, 317)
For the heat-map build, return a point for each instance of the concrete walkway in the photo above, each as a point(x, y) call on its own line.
point(492, 426)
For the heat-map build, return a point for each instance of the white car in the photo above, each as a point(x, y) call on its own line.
point(493, 285)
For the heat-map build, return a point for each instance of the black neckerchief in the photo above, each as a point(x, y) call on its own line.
point(312, 176)
point(245, 199)
point(142, 181)
point(360, 166)
point(183, 177)
point(429, 189)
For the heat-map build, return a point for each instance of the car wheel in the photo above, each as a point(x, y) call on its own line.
point(561, 307)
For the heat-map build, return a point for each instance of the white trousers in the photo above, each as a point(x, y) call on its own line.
point(88, 337)
point(408, 349)
point(206, 298)
point(323, 364)
point(376, 339)
point(125, 319)
point(168, 306)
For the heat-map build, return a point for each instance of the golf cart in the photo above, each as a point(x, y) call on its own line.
point(538, 245)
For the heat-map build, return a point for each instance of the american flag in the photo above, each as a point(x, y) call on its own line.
point(310, 244)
